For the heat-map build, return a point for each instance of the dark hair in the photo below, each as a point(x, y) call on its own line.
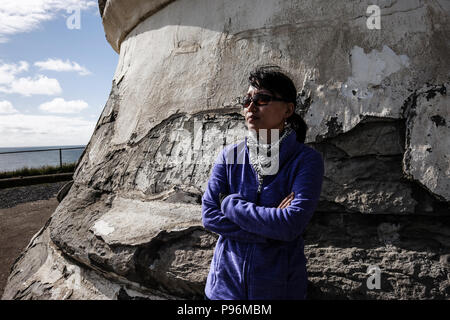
point(273, 79)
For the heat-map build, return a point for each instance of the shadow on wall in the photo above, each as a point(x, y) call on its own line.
point(412, 253)
point(378, 218)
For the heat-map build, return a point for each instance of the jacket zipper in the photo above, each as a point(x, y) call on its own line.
point(251, 247)
point(258, 192)
point(248, 276)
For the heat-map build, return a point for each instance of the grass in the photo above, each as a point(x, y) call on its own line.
point(26, 171)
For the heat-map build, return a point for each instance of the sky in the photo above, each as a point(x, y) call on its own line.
point(56, 71)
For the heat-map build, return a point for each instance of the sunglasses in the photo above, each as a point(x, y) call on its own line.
point(258, 100)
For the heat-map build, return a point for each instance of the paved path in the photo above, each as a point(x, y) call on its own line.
point(19, 223)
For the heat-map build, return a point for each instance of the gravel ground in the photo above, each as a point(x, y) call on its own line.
point(11, 197)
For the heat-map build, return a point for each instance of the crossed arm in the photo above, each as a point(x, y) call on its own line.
point(212, 215)
point(242, 220)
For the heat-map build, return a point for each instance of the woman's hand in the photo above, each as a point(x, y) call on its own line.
point(283, 204)
point(221, 197)
point(286, 201)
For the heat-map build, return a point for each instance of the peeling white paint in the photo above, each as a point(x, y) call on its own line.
point(371, 69)
point(102, 228)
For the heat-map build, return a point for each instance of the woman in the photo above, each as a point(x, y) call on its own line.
point(260, 217)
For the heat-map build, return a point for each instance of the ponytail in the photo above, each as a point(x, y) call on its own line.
point(299, 126)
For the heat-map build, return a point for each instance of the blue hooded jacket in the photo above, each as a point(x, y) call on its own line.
point(260, 250)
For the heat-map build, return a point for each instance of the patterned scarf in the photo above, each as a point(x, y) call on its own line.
point(260, 154)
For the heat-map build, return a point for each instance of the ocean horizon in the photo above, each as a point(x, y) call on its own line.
point(15, 161)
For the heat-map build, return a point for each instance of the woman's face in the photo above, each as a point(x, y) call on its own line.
point(269, 116)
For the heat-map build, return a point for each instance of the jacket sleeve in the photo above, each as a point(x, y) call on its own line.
point(212, 217)
point(281, 224)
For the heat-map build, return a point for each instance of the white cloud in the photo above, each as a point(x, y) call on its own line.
point(8, 71)
point(59, 105)
point(6, 107)
point(40, 84)
point(29, 86)
point(26, 15)
point(20, 130)
point(59, 65)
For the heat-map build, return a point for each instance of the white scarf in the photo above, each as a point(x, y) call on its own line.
point(261, 155)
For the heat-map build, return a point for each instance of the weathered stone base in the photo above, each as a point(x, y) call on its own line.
point(411, 252)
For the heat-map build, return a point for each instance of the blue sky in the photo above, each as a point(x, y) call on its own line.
point(54, 81)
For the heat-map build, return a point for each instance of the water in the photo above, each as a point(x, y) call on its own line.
point(14, 161)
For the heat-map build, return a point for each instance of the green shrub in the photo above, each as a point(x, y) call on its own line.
point(26, 171)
